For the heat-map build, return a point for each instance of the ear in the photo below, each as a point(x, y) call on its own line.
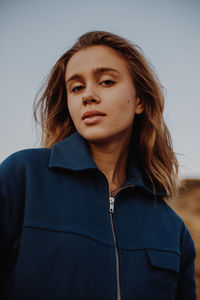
point(139, 108)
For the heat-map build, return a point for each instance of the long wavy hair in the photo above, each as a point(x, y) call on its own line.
point(151, 136)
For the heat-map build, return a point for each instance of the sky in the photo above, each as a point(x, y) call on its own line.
point(34, 34)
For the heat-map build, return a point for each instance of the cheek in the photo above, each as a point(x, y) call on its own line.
point(72, 108)
point(126, 95)
point(126, 109)
point(124, 113)
point(126, 103)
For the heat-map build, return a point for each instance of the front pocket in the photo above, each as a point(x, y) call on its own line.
point(151, 272)
point(164, 259)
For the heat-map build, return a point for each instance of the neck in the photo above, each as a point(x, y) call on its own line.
point(111, 159)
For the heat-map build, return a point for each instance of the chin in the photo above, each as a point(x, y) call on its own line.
point(105, 135)
point(96, 136)
point(97, 139)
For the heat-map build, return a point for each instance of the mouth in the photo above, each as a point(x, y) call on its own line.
point(92, 114)
point(92, 117)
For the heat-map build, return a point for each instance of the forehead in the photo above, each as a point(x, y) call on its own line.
point(95, 57)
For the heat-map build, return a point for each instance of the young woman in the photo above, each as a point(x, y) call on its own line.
point(85, 217)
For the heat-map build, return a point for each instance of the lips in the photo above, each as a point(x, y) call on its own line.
point(92, 113)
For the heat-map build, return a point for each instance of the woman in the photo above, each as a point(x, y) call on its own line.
point(85, 217)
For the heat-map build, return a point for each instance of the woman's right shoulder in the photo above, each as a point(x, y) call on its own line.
point(15, 171)
point(20, 159)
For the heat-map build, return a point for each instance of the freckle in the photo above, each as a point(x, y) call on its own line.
point(128, 100)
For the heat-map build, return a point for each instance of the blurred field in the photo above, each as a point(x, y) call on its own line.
point(187, 206)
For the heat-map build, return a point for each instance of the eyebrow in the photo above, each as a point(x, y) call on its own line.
point(95, 71)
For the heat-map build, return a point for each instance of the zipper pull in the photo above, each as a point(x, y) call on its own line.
point(112, 201)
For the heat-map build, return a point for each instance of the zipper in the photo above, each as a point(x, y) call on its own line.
point(111, 210)
point(112, 201)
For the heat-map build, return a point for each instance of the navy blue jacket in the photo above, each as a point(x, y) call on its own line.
point(58, 235)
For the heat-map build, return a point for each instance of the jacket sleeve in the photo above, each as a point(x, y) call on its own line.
point(186, 285)
point(11, 214)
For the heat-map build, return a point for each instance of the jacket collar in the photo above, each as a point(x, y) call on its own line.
point(73, 153)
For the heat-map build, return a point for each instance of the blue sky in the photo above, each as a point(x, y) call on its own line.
point(34, 34)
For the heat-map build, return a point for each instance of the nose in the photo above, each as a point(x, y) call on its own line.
point(89, 98)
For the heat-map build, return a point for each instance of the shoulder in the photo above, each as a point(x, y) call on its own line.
point(20, 159)
point(174, 230)
point(168, 219)
point(174, 217)
point(187, 247)
point(170, 212)
point(15, 171)
point(17, 167)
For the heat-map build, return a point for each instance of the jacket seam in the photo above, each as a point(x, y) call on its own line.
point(63, 229)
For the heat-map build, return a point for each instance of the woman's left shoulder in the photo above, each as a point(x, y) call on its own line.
point(186, 241)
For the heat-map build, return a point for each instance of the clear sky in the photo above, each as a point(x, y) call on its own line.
point(34, 34)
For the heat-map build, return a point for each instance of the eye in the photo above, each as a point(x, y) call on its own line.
point(107, 82)
point(77, 88)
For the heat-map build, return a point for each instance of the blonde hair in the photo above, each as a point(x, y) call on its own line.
point(151, 136)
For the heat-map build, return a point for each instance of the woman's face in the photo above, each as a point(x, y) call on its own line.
point(101, 95)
